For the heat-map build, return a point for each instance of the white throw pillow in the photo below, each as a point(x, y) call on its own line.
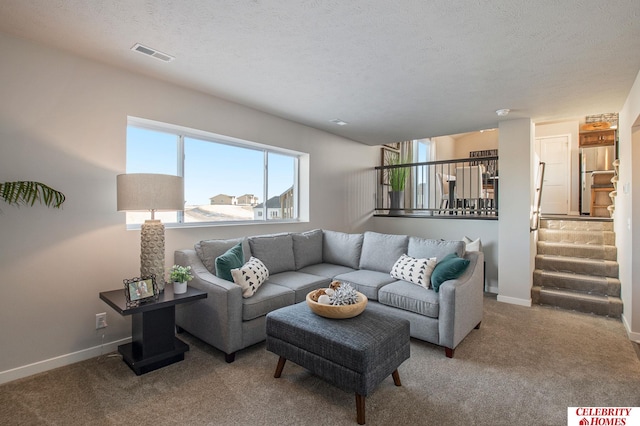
point(416, 271)
point(472, 245)
point(250, 276)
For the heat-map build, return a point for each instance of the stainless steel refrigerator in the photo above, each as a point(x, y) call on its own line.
point(592, 159)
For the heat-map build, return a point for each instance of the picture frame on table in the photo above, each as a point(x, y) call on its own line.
point(139, 290)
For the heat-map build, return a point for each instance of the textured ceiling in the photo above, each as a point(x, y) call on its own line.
point(394, 70)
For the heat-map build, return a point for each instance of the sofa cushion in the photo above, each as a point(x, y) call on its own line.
point(342, 249)
point(269, 297)
point(250, 276)
point(300, 283)
point(327, 270)
point(449, 268)
point(209, 250)
point(381, 251)
point(425, 248)
point(307, 248)
point(231, 259)
point(410, 297)
point(367, 282)
point(275, 251)
point(416, 271)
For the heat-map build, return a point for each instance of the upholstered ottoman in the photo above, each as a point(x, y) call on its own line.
point(353, 354)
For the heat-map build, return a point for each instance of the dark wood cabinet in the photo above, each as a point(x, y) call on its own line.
point(598, 138)
point(153, 342)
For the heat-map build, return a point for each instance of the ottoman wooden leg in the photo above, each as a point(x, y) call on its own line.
point(360, 408)
point(360, 405)
point(396, 377)
point(280, 366)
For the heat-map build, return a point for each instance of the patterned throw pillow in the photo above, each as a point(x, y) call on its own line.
point(251, 276)
point(417, 271)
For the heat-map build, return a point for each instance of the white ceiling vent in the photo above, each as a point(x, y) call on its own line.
point(152, 52)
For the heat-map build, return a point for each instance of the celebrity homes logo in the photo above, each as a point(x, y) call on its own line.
point(603, 416)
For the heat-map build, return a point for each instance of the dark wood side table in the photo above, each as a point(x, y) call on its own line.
point(153, 340)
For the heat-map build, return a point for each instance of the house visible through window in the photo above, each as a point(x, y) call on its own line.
point(225, 179)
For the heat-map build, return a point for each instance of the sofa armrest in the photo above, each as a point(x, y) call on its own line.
point(461, 302)
point(217, 319)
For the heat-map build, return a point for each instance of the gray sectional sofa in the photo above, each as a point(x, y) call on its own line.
point(301, 262)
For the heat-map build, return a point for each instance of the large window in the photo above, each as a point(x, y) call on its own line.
point(225, 179)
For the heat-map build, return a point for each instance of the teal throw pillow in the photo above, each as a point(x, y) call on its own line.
point(231, 259)
point(449, 268)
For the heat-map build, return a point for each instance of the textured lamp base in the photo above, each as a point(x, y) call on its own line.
point(152, 251)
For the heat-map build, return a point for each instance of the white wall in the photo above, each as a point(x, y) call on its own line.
point(517, 250)
point(571, 128)
point(476, 141)
point(627, 213)
point(63, 122)
point(445, 147)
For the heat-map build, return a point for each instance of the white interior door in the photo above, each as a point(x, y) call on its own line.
point(554, 152)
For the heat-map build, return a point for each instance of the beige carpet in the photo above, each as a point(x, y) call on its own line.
point(524, 366)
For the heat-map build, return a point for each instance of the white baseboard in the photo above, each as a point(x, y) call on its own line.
point(635, 337)
point(59, 361)
point(492, 289)
point(514, 301)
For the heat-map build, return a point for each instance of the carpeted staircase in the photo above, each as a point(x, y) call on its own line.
point(576, 266)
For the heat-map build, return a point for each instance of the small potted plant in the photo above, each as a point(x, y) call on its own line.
point(397, 180)
point(180, 275)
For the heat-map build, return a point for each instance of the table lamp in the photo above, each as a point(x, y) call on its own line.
point(151, 192)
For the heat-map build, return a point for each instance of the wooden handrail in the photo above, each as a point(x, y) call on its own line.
point(537, 199)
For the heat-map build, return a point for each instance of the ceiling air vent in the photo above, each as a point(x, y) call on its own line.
point(152, 52)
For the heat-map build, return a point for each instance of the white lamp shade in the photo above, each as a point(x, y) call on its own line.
point(150, 192)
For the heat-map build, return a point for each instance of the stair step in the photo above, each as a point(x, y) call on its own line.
point(587, 251)
point(577, 265)
point(577, 301)
point(580, 237)
point(603, 286)
point(577, 224)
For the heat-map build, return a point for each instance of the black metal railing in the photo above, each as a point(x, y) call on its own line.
point(460, 188)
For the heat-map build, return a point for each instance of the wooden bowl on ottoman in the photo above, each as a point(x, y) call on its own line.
point(338, 311)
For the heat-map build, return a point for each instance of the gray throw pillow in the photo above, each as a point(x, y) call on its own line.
point(342, 249)
point(381, 251)
point(275, 251)
point(307, 248)
point(209, 250)
point(427, 248)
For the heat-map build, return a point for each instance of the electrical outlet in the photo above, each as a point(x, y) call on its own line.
point(101, 320)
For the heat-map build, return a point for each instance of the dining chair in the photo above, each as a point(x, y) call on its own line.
point(468, 190)
point(444, 192)
point(488, 198)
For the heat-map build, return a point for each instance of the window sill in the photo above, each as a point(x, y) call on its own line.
point(137, 226)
